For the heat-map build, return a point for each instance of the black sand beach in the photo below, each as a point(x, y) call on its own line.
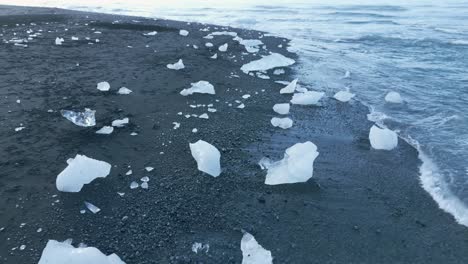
point(361, 206)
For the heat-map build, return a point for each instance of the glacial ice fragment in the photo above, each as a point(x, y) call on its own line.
point(204, 116)
point(307, 98)
point(105, 130)
point(83, 119)
point(152, 33)
point(283, 123)
point(203, 87)
point(183, 32)
point(343, 96)
point(63, 252)
point(254, 253)
point(91, 207)
point(282, 109)
point(271, 61)
point(207, 157)
point(290, 88)
point(383, 138)
point(59, 41)
point(223, 48)
point(176, 66)
point(103, 86)
point(393, 97)
point(81, 170)
point(120, 122)
point(124, 90)
point(297, 165)
point(134, 185)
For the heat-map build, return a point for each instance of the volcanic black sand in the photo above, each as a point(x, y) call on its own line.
point(361, 206)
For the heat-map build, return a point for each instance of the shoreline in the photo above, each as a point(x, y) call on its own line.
point(362, 205)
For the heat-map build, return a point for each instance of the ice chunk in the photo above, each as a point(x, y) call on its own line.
point(145, 179)
point(91, 207)
point(144, 185)
point(124, 90)
point(120, 122)
point(106, 130)
point(103, 86)
point(223, 48)
point(203, 87)
point(183, 32)
point(176, 66)
point(84, 119)
point(207, 157)
point(278, 72)
point(254, 253)
point(204, 116)
point(393, 97)
point(59, 41)
point(383, 138)
point(290, 88)
point(63, 252)
point(19, 128)
point(343, 96)
point(81, 170)
point(296, 166)
point(215, 56)
point(152, 33)
point(347, 74)
point(176, 125)
point(241, 106)
point(198, 247)
point(194, 130)
point(283, 123)
point(75, 38)
point(134, 185)
point(282, 109)
point(307, 98)
point(246, 96)
point(271, 61)
point(148, 169)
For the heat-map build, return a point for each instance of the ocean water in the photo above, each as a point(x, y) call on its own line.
point(416, 48)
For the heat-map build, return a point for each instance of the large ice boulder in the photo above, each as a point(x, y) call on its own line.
point(254, 253)
point(307, 98)
point(296, 166)
point(81, 170)
point(63, 252)
point(202, 87)
point(383, 138)
point(393, 97)
point(207, 157)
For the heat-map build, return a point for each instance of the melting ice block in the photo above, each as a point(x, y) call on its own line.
point(203, 87)
point(383, 138)
point(183, 32)
point(393, 97)
point(254, 253)
point(307, 98)
point(84, 119)
point(124, 90)
point(59, 41)
point(284, 123)
point(282, 109)
point(103, 86)
point(120, 122)
point(296, 166)
point(207, 157)
point(63, 252)
point(290, 88)
point(268, 62)
point(223, 48)
point(105, 130)
point(176, 66)
point(81, 170)
point(343, 96)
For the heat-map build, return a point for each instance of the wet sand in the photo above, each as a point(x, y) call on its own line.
point(362, 205)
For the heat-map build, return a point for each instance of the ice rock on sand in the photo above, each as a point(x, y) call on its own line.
point(254, 253)
point(296, 166)
point(343, 96)
point(59, 41)
point(282, 109)
point(290, 88)
point(81, 170)
point(176, 66)
point(105, 130)
point(63, 252)
point(103, 86)
point(393, 97)
point(223, 48)
point(124, 90)
point(307, 98)
point(183, 32)
point(120, 122)
point(207, 157)
point(284, 123)
point(383, 138)
point(203, 87)
point(268, 62)
point(83, 119)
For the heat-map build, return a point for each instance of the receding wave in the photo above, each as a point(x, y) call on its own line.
point(403, 42)
point(360, 14)
point(380, 22)
point(385, 8)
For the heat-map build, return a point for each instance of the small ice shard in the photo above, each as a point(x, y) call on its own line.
point(283, 123)
point(129, 172)
point(246, 96)
point(307, 98)
point(120, 122)
point(204, 116)
point(203, 87)
point(343, 96)
point(91, 207)
point(152, 33)
point(383, 138)
point(83, 119)
point(198, 247)
point(144, 185)
point(124, 90)
point(105, 130)
point(296, 166)
point(81, 170)
point(223, 48)
point(22, 247)
point(282, 109)
point(75, 38)
point(148, 169)
point(121, 194)
point(241, 106)
point(268, 62)
point(59, 41)
point(134, 185)
point(290, 88)
point(103, 86)
point(194, 130)
point(393, 97)
point(183, 32)
point(207, 157)
point(134, 134)
point(215, 56)
point(19, 128)
point(18, 101)
point(145, 179)
point(209, 44)
point(63, 252)
point(176, 66)
point(278, 72)
point(254, 253)
point(176, 125)
point(212, 110)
